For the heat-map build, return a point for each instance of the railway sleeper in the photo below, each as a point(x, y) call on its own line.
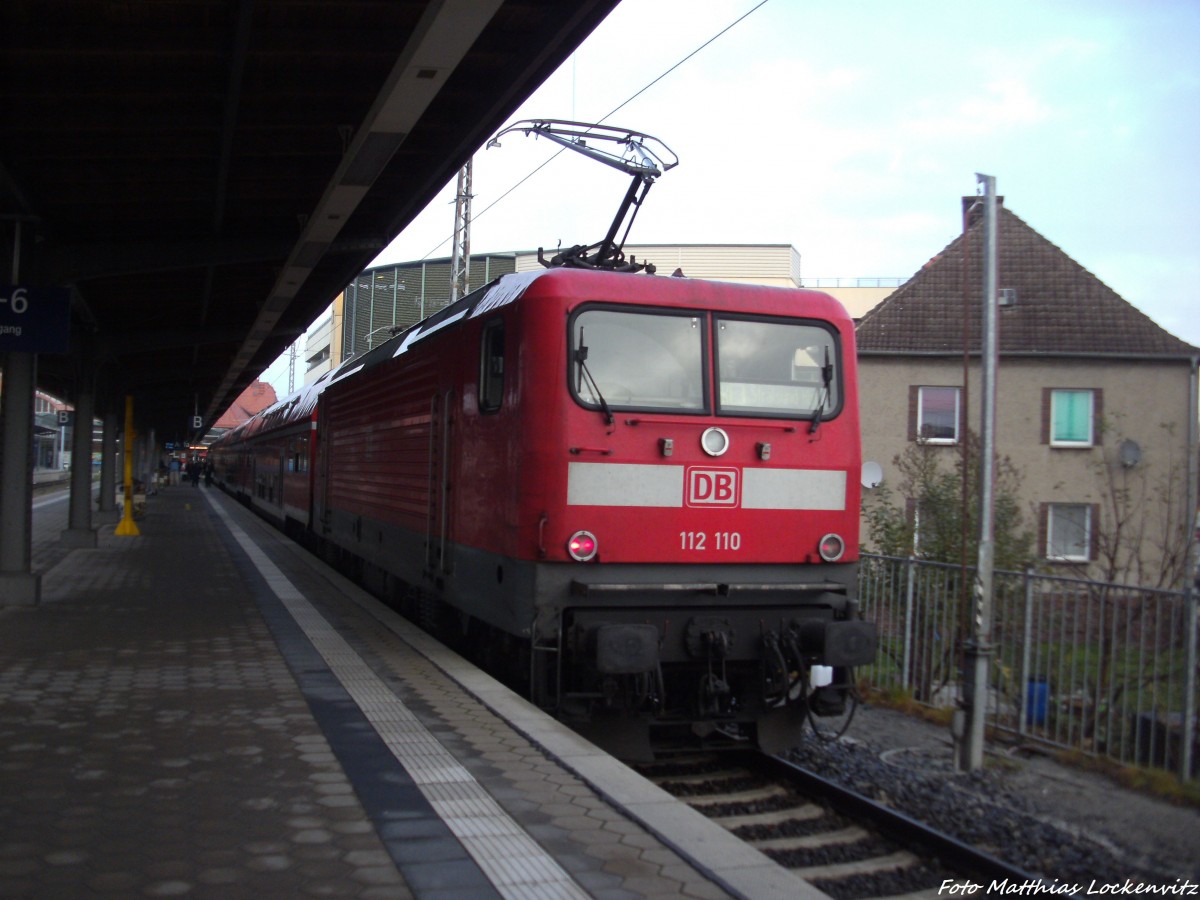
point(901, 859)
point(810, 841)
point(751, 795)
point(772, 819)
point(702, 778)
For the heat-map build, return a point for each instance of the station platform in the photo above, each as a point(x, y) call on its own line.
point(207, 710)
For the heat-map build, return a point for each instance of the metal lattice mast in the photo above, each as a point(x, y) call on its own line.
point(292, 365)
point(460, 259)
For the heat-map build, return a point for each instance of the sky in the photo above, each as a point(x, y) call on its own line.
point(850, 129)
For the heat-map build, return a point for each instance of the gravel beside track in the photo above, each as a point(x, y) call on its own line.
point(1058, 823)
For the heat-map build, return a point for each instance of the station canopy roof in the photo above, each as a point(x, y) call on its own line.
point(206, 175)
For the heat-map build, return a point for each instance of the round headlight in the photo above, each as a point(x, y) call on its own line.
point(582, 546)
point(714, 441)
point(831, 548)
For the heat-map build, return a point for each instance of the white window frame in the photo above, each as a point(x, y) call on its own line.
point(921, 414)
point(1090, 441)
point(1088, 526)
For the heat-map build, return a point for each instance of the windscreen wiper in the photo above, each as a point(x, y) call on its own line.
point(827, 382)
point(581, 355)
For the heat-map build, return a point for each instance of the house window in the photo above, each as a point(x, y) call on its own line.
point(1069, 532)
point(1072, 418)
point(937, 415)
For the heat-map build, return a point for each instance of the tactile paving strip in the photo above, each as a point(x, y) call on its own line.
point(513, 861)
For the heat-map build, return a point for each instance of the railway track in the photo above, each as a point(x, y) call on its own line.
point(843, 844)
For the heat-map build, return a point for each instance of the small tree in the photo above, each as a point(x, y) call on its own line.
point(925, 517)
point(1142, 539)
point(929, 522)
point(1145, 527)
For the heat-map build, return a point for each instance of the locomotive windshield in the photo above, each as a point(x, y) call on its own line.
point(775, 369)
point(638, 360)
point(658, 361)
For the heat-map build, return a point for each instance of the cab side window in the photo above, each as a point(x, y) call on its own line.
point(491, 375)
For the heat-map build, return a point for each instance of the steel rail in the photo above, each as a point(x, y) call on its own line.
point(904, 828)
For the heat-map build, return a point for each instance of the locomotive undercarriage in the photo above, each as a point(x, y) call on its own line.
point(647, 659)
point(634, 678)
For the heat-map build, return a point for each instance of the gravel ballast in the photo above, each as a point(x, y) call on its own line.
point(1062, 825)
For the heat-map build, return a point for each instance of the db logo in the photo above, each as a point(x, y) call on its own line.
point(712, 487)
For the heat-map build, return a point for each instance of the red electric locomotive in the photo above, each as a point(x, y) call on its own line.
point(641, 492)
point(636, 495)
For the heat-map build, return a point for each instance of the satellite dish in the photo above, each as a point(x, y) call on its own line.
point(872, 474)
point(1129, 453)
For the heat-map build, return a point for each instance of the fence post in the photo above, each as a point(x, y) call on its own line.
point(910, 590)
point(1189, 685)
point(1026, 650)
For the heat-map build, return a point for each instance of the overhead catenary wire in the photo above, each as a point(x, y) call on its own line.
point(611, 113)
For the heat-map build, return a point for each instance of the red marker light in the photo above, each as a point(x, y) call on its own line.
point(582, 546)
point(831, 548)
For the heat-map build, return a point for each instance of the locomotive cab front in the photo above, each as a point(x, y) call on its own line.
point(700, 518)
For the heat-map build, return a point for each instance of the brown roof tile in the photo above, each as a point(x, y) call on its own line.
point(1061, 307)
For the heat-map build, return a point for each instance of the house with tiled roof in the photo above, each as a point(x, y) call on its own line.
point(257, 396)
point(1095, 403)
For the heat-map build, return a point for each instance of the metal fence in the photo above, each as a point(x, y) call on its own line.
point(1101, 668)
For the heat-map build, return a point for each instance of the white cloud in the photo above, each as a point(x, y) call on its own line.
point(852, 129)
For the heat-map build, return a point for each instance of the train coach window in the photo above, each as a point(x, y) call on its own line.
point(776, 368)
point(633, 360)
point(297, 458)
point(491, 373)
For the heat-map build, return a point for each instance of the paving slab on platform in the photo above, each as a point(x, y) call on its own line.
point(206, 710)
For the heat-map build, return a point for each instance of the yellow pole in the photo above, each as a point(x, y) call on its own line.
point(126, 526)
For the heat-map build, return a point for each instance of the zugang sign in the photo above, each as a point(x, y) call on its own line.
point(34, 319)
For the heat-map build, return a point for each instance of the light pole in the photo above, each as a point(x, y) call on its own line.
point(977, 656)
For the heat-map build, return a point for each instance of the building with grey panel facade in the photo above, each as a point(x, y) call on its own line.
point(386, 299)
point(390, 298)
